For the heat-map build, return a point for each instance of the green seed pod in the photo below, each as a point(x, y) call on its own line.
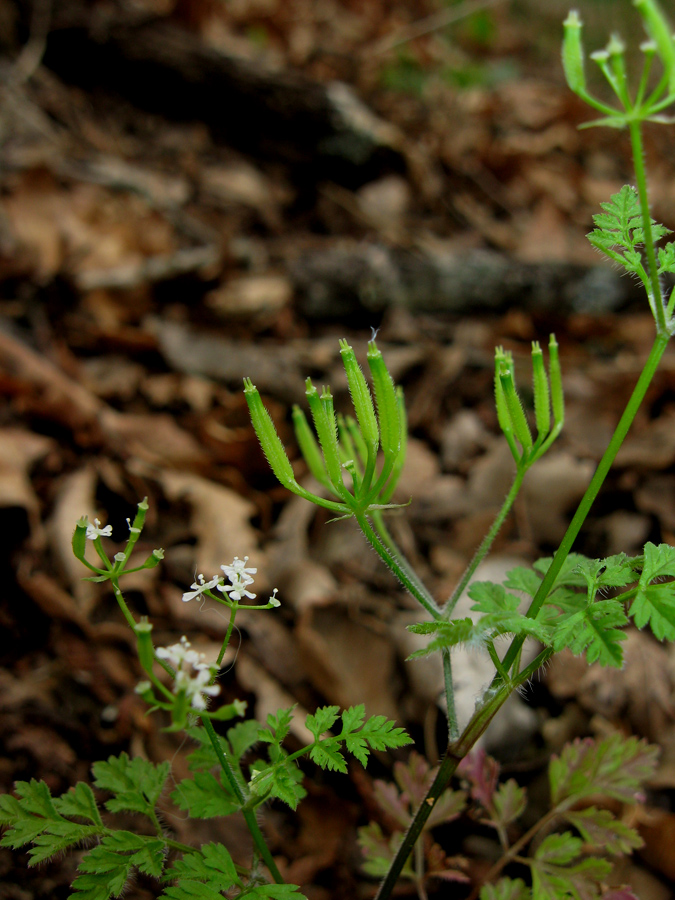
point(309, 446)
point(657, 27)
point(502, 360)
point(80, 537)
point(144, 646)
point(326, 432)
point(352, 427)
point(555, 377)
point(516, 412)
point(542, 399)
point(399, 462)
point(268, 437)
point(573, 54)
point(346, 444)
point(360, 393)
point(387, 404)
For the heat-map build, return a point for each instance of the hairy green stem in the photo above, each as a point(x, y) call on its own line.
point(593, 488)
point(635, 128)
point(454, 754)
point(238, 791)
point(400, 569)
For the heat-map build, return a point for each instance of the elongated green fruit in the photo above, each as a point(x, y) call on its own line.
point(542, 400)
point(658, 29)
point(80, 537)
point(387, 403)
point(309, 446)
point(326, 432)
point(399, 462)
point(502, 358)
point(360, 393)
point(144, 646)
point(521, 428)
point(555, 378)
point(573, 54)
point(268, 437)
point(352, 427)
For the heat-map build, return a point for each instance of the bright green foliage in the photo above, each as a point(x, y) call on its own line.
point(620, 234)
point(506, 889)
point(281, 777)
point(500, 612)
point(135, 783)
point(35, 817)
point(203, 875)
point(204, 796)
point(615, 767)
point(556, 873)
point(654, 604)
point(509, 802)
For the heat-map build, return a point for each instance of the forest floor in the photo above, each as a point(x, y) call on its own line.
point(194, 192)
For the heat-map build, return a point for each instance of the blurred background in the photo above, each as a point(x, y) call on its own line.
point(194, 191)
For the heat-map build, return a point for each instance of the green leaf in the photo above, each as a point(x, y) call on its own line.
point(655, 603)
point(242, 737)
point(281, 779)
point(501, 614)
point(379, 851)
point(33, 818)
point(327, 755)
point(601, 829)
point(322, 720)
point(509, 801)
point(106, 868)
point(449, 634)
point(523, 579)
point(555, 875)
point(277, 726)
point(619, 230)
point(506, 889)
point(667, 258)
point(136, 783)
point(378, 733)
point(592, 626)
point(203, 796)
point(203, 874)
point(615, 766)
point(79, 801)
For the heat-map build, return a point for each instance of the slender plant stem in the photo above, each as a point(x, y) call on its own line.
point(454, 754)
point(635, 128)
point(563, 551)
point(228, 635)
point(413, 585)
point(385, 536)
point(237, 789)
point(486, 543)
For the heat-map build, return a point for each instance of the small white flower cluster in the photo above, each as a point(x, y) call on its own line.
point(240, 579)
point(193, 674)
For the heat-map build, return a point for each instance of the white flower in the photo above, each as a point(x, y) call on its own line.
point(178, 654)
point(133, 530)
point(95, 530)
point(199, 586)
point(273, 599)
point(237, 590)
point(197, 686)
point(238, 570)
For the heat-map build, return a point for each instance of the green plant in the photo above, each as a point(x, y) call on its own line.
point(572, 602)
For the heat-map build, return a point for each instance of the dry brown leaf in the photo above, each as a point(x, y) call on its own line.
point(221, 521)
point(347, 661)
